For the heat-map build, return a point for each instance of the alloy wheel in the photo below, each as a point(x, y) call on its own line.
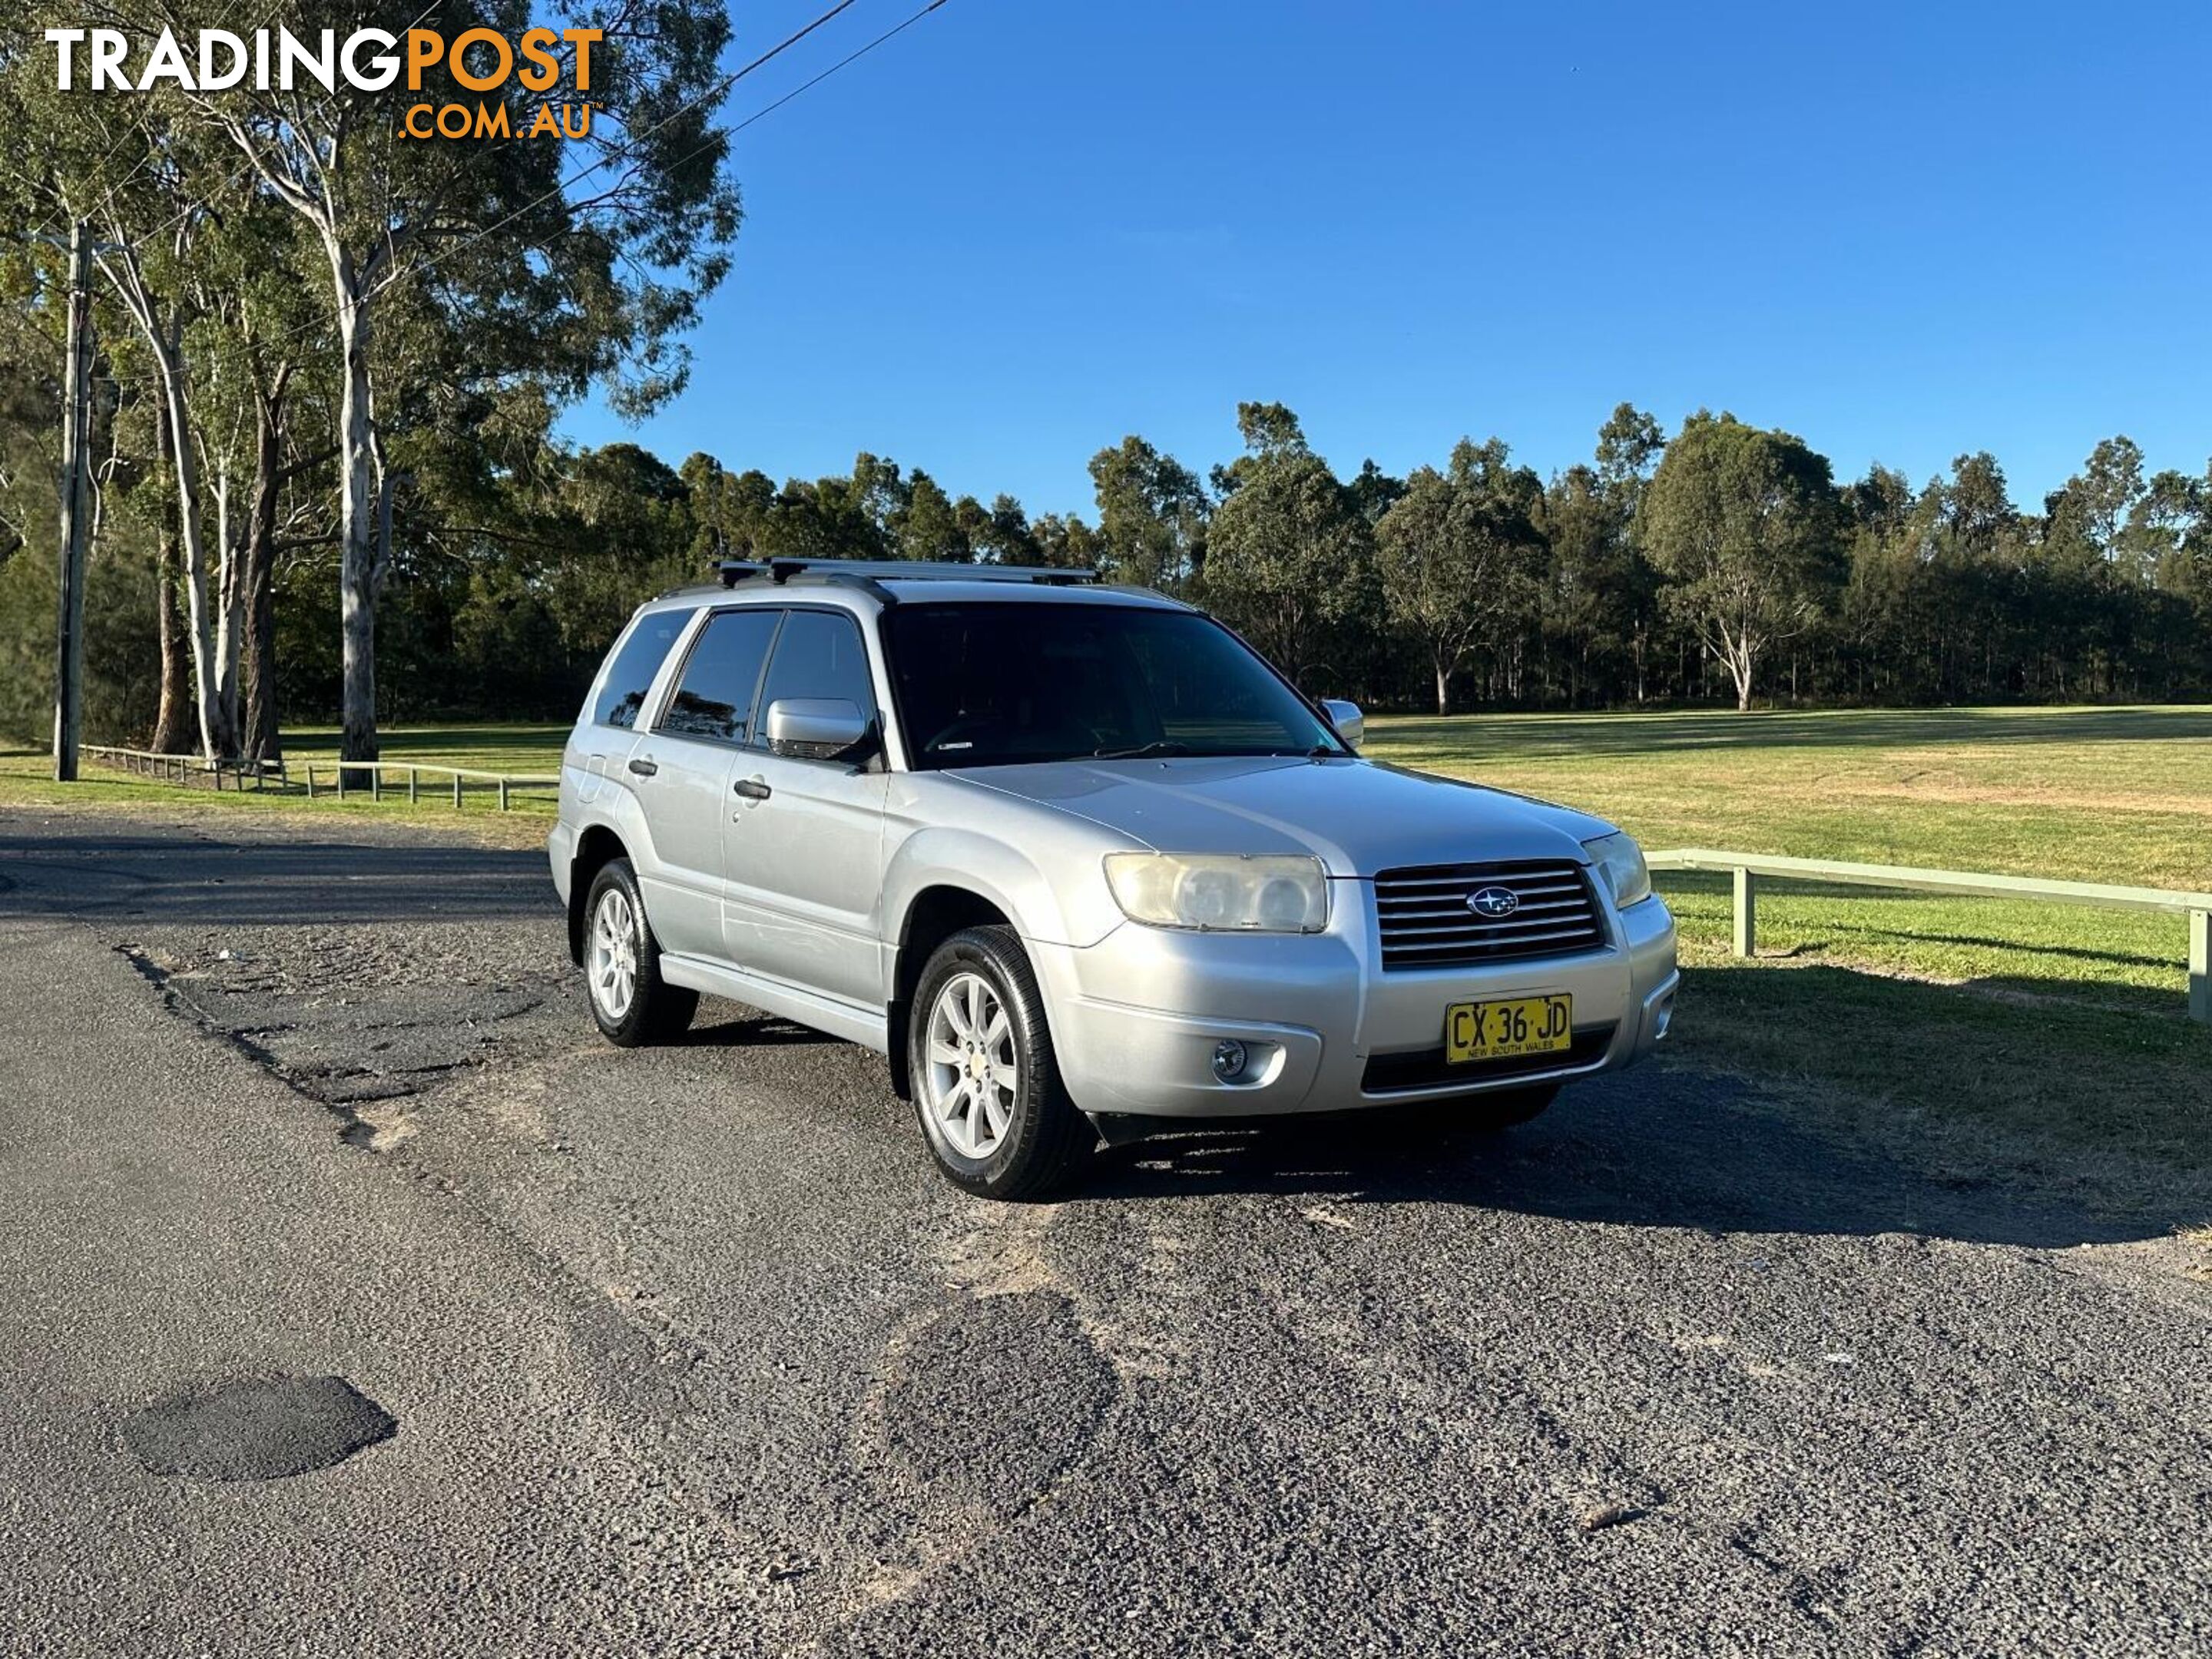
point(613, 966)
point(972, 1076)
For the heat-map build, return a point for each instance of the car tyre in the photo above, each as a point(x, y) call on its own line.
point(630, 1001)
point(985, 1084)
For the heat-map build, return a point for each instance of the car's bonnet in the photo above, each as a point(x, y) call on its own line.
point(1356, 816)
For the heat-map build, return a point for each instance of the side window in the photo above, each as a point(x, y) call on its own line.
point(630, 675)
point(820, 654)
point(715, 699)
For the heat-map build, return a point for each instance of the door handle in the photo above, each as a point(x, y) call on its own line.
point(645, 768)
point(752, 788)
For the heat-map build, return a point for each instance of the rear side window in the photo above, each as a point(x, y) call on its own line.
point(821, 654)
point(630, 675)
point(715, 699)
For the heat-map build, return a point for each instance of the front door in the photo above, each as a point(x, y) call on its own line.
point(805, 849)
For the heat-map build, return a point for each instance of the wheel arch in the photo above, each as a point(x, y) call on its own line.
point(932, 915)
point(599, 846)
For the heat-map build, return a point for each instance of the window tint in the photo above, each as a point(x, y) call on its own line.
point(820, 655)
point(715, 697)
point(998, 684)
point(629, 676)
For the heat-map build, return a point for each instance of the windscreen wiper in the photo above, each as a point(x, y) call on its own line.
point(1163, 746)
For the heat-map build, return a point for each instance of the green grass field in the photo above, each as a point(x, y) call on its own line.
point(1998, 1033)
point(2002, 1032)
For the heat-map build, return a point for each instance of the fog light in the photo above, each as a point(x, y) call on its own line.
point(1228, 1059)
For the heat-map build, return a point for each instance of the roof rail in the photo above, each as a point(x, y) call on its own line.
point(733, 571)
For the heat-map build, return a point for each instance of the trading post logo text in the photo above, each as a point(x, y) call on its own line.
point(368, 60)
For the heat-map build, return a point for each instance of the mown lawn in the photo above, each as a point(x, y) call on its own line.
point(2027, 1034)
point(530, 750)
point(26, 779)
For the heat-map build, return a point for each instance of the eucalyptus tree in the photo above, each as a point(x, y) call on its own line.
point(927, 524)
point(1066, 543)
point(1745, 526)
point(1001, 533)
point(1289, 556)
point(577, 260)
point(1460, 556)
point(148, 195)
point(1151, 515)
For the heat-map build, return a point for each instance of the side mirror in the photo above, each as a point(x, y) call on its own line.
point(815, 728)
point(1351, 725)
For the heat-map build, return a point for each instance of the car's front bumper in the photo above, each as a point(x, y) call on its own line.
point(1136, 1018)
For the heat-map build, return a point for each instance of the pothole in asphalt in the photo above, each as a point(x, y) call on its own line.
point(262, 1428)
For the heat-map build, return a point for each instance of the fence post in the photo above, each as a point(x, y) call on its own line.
point(2200, 966)
point(310, 780)
point(457, 792)
point(342, 772)
point(1747, 913)
point(376, 782)
point(502, 792)
point(414, 774)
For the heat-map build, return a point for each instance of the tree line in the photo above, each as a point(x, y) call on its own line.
point(330, 483)
point(1722, 563)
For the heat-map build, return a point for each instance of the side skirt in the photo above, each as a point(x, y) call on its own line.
point(865, 1026)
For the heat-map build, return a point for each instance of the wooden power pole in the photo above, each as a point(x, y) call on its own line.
point(75, 480)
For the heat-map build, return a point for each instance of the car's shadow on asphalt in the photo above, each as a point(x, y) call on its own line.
point(1665, 1147)
point(755, 1030)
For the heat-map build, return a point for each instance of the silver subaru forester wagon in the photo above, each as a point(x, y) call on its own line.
point(1077, 859)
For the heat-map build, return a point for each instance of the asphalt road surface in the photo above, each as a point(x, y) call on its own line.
point(688, 1350)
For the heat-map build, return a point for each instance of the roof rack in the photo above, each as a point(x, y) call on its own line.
point(872, 572)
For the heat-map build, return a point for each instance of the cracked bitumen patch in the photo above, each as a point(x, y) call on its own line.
point(259, 1428)
point(346, 1038)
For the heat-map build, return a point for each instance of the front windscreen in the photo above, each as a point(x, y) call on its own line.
point(986, 685)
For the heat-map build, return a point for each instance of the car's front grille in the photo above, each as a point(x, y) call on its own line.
point(1445, 916)
point(1429, 1068)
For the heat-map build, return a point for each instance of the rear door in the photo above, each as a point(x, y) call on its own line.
point(681, 772)
point(806, 848)
point(608, 730)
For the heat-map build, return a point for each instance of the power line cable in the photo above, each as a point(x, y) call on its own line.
point(625, 148)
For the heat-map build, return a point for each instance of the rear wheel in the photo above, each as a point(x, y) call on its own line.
point(997, 1118)
point(630, 1001)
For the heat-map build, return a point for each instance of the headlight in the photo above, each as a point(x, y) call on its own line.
point(1276, 895)
point(1621, 861)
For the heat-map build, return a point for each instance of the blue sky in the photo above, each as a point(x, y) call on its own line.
point(1027, 227)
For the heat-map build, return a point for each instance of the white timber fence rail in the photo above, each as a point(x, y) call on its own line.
point(320, 778)
point(1748, 869)
point(414, 772)
point(185, 768)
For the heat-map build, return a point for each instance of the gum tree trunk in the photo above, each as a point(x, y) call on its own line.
point(357, 537)
point(173, 725)
point(261, 741)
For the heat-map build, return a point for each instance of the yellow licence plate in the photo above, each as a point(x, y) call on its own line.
point(1502, 1030)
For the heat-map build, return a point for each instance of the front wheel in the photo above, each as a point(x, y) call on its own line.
point(997, 1118)
point(630, 1001)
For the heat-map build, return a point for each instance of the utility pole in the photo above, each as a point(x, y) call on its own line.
point(76, 422)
